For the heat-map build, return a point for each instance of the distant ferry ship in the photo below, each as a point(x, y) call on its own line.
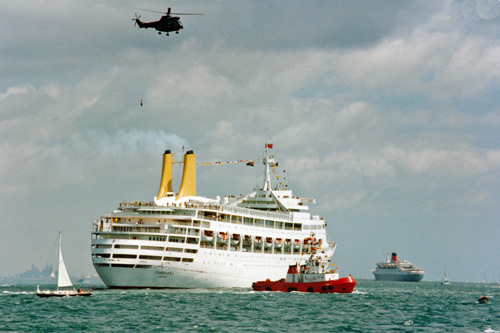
point(182, 240)
point(395, 270)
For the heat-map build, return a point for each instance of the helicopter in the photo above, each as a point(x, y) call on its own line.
point(167, 23)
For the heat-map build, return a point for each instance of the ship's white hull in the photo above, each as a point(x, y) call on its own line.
point(210, 269)
point(225, 272)
point(397, 275)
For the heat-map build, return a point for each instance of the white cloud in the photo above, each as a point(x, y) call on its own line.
point(18, 90)
point(438, 64)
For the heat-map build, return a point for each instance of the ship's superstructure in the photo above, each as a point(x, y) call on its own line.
point(397, 270)
point(181, 240)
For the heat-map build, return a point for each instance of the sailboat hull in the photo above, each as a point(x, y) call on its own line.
point(63, 293)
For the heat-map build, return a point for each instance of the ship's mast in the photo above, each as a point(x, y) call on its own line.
point(268, 161)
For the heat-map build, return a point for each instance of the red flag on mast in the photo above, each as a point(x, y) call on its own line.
point(269, 145)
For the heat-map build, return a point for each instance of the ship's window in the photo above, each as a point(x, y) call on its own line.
point(122, 265)
point(102, 255)
point(124, 256)
point(194, 232)
point(191, 251)
point(205, 225)
point(154, 248)
point(177, 239)
point(196, 223)
point(174, 249)
point(279, 225)
point(185, 212)
point(297, 226)
point(171, 259)
point(192, 240)
point(104, 246)
point(176, 230)
point(143, 266)
point(288, 226)
point(236, 219)
point(102, 265)
point(259, 223)
point(224, 218)
point(149, 257)
point(121, 246)
point(209, 215)
point(248, 221)
point(269, 224)
point(187, 259)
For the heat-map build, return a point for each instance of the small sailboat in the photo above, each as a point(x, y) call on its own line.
point(446, 280)
point(64, 285)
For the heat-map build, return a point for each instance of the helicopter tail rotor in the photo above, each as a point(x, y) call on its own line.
point(136, 19)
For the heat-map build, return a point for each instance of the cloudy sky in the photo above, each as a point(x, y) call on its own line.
point(387, 112)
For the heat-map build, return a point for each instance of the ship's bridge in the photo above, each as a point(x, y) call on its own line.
point(283, 200)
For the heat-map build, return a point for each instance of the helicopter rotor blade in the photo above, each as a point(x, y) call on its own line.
point(167, 12)
point(154, 11)
point(186, 14)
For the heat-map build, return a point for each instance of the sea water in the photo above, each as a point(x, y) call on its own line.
point(374, 306)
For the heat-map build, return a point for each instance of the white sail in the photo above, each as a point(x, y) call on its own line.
point(446, 280)
point(63, 279)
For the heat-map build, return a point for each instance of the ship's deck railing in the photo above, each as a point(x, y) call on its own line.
point(222, 212)
point(285, 216)
point(125, 204)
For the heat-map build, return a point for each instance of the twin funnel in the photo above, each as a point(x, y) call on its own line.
point(188, 182)
point(166, 175)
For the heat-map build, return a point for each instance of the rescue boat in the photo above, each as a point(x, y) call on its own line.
point(316, 275)
point(483, 300)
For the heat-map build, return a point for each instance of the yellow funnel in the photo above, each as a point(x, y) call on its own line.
point(166, 175)
point(188, 183)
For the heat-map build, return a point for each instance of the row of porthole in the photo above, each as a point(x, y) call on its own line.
point(309, 290)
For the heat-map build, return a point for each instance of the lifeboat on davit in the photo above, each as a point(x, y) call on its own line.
point(314, 276)
point(222, 238)
point(235, 239)
point(207, 236)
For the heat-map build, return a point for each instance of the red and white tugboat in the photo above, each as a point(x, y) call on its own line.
point(315, 276)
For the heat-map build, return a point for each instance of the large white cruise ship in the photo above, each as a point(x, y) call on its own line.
point(181, 240)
